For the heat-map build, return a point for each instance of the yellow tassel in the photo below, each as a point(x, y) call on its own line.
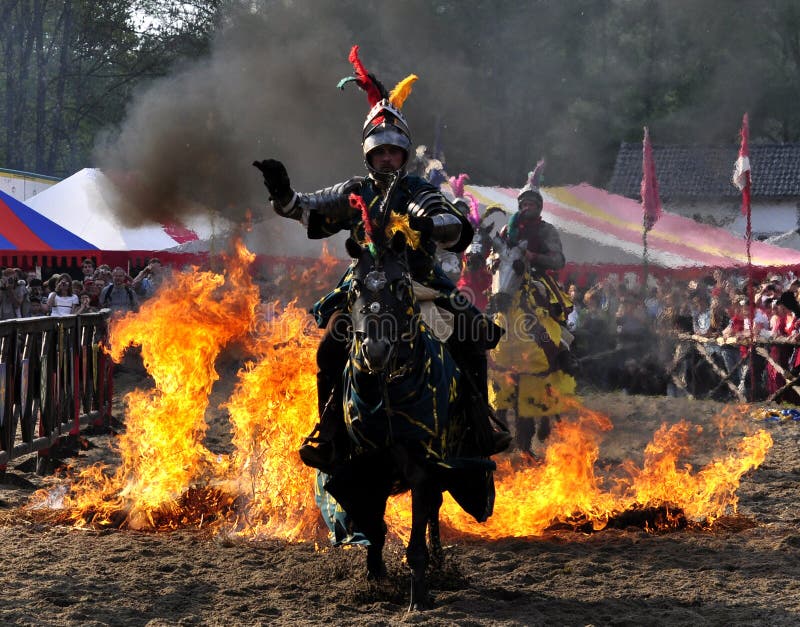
point(400, 223)
point(402, 90)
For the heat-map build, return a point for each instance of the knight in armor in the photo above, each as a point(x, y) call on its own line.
point(386, 147)
point(544, 243)
point(544, 252)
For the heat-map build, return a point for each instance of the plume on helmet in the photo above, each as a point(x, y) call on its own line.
point(385, 123)
point(531, 187)
point(536, 177)
point(474, 215)
point(457, 184)
point(365, 80)
point(402, 90)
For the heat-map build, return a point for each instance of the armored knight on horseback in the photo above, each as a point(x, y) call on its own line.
point(544, 251)
point(387, 188)
point(533, 366)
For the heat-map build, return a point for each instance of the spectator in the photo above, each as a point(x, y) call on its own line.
point(9, 296)
point(85, 305)
point(87, 268)
point(149, 279)
point(62, 302)
point(781, 325)
point(119, 296)
point(631, 318)
point(766, 292)
point(701, 314)
point(734, 332)
point(22, 294)
point(77, 288)
point(103, 273)
point(37, 298)
point(574, 317)
point(93, 287)
point(652, 304)
point(760, 326)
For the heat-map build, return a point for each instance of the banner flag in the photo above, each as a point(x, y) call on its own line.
point(741, 169)
point(651, 203)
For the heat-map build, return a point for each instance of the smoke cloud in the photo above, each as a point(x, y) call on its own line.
point(492, 92)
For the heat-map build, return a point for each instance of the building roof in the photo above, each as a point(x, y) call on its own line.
point(704, 172)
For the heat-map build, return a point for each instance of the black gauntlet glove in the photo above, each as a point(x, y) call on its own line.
point(276, 179)
point(422, 224)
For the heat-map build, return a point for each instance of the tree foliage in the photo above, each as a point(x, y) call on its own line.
point(505, 82)
point(69, 69)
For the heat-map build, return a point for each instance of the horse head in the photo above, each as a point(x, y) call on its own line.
point(478, 250)
point(381, 303)
point(509, 265)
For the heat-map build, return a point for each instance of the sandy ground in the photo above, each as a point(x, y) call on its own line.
point(743, 573)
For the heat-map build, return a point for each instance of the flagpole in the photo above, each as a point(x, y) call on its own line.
point(651, 203)
point(742, 180)
point(644, 258)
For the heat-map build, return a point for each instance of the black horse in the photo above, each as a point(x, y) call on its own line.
point(403, 415)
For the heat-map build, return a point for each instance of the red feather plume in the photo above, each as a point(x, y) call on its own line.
point(357, 202)
point(363, 79)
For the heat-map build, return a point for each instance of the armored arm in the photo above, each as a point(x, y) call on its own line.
point(331, 203)
point(550, 255)
point(448, 227)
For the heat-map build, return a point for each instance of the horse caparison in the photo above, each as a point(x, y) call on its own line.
point(402, 414)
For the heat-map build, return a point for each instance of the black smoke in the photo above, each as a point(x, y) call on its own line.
point(500, 85)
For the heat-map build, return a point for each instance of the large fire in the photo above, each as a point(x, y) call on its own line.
point(167, 477)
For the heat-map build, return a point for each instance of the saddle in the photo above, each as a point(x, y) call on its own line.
point(438, 320)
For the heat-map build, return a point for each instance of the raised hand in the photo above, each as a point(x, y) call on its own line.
point(275, 178)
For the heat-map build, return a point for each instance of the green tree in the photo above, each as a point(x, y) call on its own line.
point(69, 69)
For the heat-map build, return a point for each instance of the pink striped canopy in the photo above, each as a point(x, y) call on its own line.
point(598, 227)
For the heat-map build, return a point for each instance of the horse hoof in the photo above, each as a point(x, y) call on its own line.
point(376, 574)
point(421, 605)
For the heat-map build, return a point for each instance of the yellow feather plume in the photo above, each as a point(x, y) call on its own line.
point(402, 90)
point(398, 222)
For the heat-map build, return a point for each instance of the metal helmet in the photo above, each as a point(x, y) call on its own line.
point(385, 125)
point(531, 193)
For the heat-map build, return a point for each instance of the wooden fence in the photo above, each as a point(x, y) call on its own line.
point(54, 378)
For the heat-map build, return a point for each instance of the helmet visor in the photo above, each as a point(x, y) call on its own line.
point(387, 136)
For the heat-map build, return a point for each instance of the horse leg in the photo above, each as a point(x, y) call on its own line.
point(425, 498)
point(366, 507)
point(376, 569)
point(434, 538)
point(370, 522)
point(546, 427)
point(525, 430)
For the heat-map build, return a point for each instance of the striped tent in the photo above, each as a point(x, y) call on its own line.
point(600, 228)
point(27, 237)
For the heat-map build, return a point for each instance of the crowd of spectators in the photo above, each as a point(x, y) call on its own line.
point(642, 341)
point(625, 338)
point(24, 294)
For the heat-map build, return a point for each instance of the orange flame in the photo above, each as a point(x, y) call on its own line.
point(307, 284)
point(167, 477)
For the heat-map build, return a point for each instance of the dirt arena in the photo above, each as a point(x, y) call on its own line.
point(745, 571)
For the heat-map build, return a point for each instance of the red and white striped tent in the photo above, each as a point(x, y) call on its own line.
point(86, 204)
